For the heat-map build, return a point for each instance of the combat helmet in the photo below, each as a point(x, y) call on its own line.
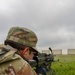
point(23, 36)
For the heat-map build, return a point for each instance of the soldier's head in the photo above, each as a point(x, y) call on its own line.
point(22, 38)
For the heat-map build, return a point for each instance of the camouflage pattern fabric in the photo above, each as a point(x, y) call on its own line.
point(13, 64)
point(23, 36)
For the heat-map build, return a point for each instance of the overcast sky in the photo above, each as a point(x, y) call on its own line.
point(53, 21)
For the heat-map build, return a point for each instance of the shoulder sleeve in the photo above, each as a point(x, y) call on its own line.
point(26, 70)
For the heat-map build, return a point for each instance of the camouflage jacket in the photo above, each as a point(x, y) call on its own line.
point(13, 64)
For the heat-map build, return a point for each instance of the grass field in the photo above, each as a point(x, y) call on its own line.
point(65, 65)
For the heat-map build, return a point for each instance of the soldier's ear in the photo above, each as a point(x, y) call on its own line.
point(25, 51)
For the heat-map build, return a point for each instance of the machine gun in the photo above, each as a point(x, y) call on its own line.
point(42, 63)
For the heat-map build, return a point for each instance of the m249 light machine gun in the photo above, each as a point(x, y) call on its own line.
point(42, 63)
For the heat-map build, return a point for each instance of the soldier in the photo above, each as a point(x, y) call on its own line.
point(20, 46)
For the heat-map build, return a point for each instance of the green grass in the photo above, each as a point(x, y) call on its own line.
point(65, 65)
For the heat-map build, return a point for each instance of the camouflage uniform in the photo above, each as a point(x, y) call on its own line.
point(10, 62)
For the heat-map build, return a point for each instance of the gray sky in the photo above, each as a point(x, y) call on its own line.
point(53, 21)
